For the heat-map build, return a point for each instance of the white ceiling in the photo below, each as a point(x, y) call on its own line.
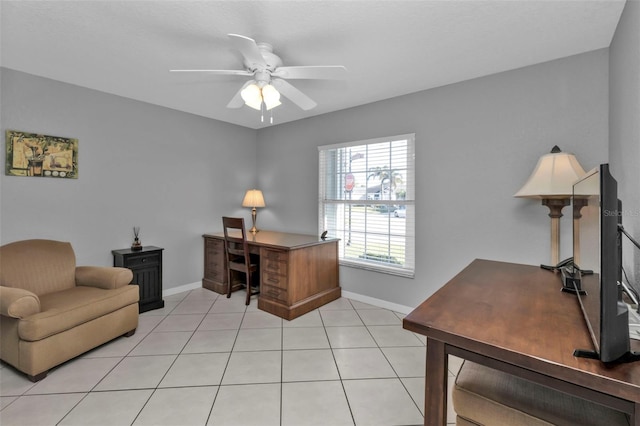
point(389, 48)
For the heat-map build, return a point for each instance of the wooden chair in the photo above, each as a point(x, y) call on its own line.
point(237, 254)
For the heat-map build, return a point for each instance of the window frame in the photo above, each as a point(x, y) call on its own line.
point(332, 170)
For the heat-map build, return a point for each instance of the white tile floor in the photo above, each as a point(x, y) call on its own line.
point(207, 360)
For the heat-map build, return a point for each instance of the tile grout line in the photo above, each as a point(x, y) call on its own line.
point(333, 355)
point(224, 372)
point(153, 392)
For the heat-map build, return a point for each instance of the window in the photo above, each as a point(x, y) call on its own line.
point(366, 198)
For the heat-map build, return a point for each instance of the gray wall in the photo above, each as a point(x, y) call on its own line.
point(624, 131)
point(173, 174)
point(476, 144)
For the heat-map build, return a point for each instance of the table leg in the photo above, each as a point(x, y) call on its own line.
point(435, 393)
point(635, 419)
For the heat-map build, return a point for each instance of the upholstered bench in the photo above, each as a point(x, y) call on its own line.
point(483, 396)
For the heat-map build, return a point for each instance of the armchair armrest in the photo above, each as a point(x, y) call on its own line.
point(105, 277)
point(18, 303)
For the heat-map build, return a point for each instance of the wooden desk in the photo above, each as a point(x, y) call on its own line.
point(514, 318)
point(298, 273)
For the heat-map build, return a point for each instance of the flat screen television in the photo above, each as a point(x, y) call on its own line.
point(598, 263)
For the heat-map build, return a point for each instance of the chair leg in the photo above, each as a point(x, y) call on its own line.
point(248, 277)
point(228, 283)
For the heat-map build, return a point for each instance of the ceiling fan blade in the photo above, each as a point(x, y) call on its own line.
point(293, 94)
point(237, 101)
point(249, 49)
point(243, 73)
point(320, 72)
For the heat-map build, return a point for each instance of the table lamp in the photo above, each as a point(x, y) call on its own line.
point(253, 198)
point(552, 181)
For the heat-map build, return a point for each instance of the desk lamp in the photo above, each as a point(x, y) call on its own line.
point(552, 181)
point(253, 198)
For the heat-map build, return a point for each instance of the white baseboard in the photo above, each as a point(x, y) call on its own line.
point(180, 289)
point(377, 302)
point(349, 295)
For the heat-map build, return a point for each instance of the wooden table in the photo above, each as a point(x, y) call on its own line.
point(514, 318)
point(298, 272)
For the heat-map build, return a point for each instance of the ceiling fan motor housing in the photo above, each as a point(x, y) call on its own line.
point(272, 60)
point(262, 78)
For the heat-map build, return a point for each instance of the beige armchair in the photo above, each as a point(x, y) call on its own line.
point(52, 311)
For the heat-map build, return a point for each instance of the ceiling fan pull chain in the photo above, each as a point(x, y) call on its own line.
point(262, 112)
point(271, 117)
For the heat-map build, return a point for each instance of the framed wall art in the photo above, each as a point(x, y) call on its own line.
point(32, 154)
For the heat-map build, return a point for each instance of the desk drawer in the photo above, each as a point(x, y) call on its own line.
point(273, 293)
point(215, 275)
point(214, 245)
point(215, 264)
point(274, 266)
point(275, 255)
point(215, 261)
point(275, 280)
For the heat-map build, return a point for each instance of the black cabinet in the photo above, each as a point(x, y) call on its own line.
point(146, 265)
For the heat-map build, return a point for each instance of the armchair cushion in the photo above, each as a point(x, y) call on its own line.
point(103, 277)
point(18, 303)
point(63, 310)
point(40, 266)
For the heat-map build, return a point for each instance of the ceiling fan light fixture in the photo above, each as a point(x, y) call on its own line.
point(252, 96)
point(265, 66)
point(271, 96)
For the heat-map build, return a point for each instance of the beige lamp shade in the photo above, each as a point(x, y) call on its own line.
point(253, 198)
point(553, 176)
point(588, 187)
point(552, 180)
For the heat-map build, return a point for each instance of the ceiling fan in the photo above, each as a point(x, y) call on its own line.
point(270, 77)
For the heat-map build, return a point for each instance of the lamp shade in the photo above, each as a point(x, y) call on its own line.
point(253, 198)
point(553, 176)
point(252, 96)
point(270, 96)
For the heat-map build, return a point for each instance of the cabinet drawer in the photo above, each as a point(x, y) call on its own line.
point(275, 280)
point(144, 260)
point(274, 293)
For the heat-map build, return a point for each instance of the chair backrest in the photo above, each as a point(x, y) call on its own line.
point(40, 266)
point(235, 239)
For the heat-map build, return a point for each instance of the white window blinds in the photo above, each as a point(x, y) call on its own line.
point(366, 198)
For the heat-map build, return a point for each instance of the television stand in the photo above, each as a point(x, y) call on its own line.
point(585, 353)
point(626, 358)
point(629, 357)
point(571, 283)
